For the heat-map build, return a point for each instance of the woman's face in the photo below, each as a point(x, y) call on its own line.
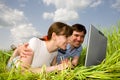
point(61, 41)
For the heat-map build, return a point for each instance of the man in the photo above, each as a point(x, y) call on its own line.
point(74, 46)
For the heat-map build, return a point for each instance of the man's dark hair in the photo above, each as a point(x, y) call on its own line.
point(79, 28)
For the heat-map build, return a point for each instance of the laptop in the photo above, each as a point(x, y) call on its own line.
point(96, 47)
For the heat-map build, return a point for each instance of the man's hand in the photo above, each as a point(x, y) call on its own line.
point(75, 61)
point(26, 55)
point(24, 50)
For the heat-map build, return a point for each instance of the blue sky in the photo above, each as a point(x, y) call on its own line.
point(22, 19)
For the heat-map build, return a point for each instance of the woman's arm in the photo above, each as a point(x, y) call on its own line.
point(54, 62)
point(59, 67)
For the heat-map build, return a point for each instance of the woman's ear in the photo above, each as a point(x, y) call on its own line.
point(54, 36)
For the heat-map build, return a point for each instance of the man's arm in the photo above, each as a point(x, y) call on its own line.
point(24, 50)
point(75, 60)
point(25, 53)
point(15, 54)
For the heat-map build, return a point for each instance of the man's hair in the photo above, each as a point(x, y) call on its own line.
point(79, 28)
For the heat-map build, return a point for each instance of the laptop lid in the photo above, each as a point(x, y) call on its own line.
point(96, 47)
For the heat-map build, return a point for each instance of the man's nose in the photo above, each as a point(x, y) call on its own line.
point(79, 38)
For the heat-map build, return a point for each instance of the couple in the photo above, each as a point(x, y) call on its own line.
point(38, 52)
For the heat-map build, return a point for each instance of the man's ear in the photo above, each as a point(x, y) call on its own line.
point(54, 36)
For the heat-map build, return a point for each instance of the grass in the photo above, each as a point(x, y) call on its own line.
point(108, 69)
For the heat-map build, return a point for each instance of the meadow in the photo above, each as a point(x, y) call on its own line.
point(108, 69)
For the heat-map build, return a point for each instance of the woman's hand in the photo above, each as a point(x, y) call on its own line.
point(65, 64)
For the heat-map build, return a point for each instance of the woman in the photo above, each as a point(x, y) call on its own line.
point(45, 51)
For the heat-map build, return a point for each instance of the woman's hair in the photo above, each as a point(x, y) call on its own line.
point(44, 38)
point(79, 28)
point(60, 29)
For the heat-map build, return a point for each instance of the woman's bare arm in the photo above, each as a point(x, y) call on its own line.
point(59, 67)
point(54, 62)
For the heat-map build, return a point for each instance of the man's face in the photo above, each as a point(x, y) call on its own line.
point(77, 38)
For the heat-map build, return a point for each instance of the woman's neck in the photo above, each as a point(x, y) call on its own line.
point(51, 46)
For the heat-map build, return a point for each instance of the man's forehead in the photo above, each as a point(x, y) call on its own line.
point(77, 32)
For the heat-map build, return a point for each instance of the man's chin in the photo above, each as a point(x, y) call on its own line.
point(77, 45)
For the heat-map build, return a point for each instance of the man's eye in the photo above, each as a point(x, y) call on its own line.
point(76, 35)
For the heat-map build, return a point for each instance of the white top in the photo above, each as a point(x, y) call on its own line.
point(41, 54)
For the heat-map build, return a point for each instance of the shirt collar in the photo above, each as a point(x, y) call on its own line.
point(77, 48)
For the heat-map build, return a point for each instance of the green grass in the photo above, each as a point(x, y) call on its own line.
point(108, 69)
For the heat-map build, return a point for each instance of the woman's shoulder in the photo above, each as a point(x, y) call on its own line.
point(34, 39)
point(35, 42)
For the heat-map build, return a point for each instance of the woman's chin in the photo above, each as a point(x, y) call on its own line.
point(63, 48)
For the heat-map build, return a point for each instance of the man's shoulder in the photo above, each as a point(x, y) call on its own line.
point(61, 51)
point(68, 46)
point(79, 48)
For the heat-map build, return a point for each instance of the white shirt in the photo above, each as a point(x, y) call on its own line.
point(41, 54)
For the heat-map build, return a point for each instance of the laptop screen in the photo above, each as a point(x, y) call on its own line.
point(96, 47)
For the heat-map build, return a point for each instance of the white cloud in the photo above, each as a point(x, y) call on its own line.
point(65, 15)
point(116, 5)
point(10, 17)
point(47, 15)
point(96, 3)
point(21, 29)
point(23, 32)
point(61, 15)
point(48, 1)
point(66, 10)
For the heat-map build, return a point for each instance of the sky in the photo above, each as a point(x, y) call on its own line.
point(21, 20)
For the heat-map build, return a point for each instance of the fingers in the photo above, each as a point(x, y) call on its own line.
point(26, 47)
point(63, 66)
point(24, 50)
point(27, 51)
point(26, 54)
point(65, 61)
